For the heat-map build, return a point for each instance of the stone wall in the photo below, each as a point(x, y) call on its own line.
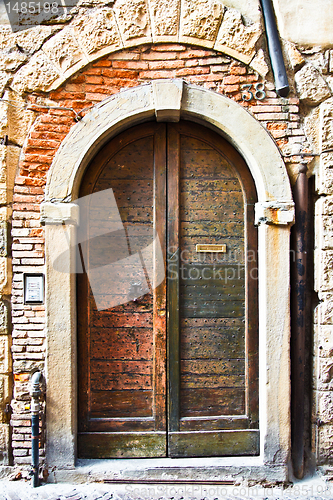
point(51, 75)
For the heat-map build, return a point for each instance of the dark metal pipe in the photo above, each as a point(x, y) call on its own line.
point(35, 448)
point(274, 49)
point(36, 380)
point(299, 313)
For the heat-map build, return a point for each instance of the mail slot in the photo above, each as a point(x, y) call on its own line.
point(213, 247)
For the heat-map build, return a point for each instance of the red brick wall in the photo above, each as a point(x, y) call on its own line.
point(99, 80)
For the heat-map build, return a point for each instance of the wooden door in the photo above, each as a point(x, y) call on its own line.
point(172, 369)
point(212, 321)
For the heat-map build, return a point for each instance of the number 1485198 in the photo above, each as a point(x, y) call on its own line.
point(33, 7)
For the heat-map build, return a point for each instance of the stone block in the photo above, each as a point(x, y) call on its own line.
point(4, 442)
point(295, 57)
point(59, 213)
point(324, 271)
point(323, 343)
point(3, 213)
point(312, 129)
point(259, 63)
point(31, 40)
point(325, 444)
point(26, 365)
point(4, 79)
point(3, 272)
point(5, 391)
point(326, 125)
point(3, 193)
point(274, 213)
point(236, 39)
point(323, 223)
point(325, 368)
point(330, 61)
point(19, 120)
point(319, 59)
point(2, 391)
point(97, 30)
point(324, 311)
point(329, 81)
point(4, 316)
point(325, 407)
point(13, 154)
point(7, 37)
point(324, 206)
point(3, 239)
point(4, 353)
point(64, 51)
point(3, 117)
point(12, 60)
point(38, 74)
point(324, 233)
point(164, 15)
point(324, 179)
point(133, 20)
point(200, 19)
point(3, 163)
point(311, 86)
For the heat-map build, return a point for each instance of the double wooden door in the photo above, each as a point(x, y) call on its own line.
point(167, 302)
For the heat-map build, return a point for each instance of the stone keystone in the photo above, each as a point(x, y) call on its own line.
point(168, 97)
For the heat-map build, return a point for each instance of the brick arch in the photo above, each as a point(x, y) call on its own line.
point(169, 100)
point(94, 33)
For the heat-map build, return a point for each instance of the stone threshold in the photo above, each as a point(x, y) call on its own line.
point(227, 470)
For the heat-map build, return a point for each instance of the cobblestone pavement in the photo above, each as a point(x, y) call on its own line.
point(310, 489)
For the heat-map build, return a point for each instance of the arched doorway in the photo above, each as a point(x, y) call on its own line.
point(168, 365)
point(274, 213)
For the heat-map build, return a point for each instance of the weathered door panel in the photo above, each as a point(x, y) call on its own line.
point(213, 443)
point(122, 341)
point(121, 445)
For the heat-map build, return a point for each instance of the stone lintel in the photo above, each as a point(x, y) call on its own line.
point(59, 213)
point(279, 213)
point(168, 98)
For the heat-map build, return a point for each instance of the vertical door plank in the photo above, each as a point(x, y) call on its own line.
point(173, 159)
point(159, 292)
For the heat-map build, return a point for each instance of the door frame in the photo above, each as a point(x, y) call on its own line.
point(168, 100)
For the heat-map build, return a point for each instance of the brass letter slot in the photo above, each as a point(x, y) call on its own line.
point(211, 248)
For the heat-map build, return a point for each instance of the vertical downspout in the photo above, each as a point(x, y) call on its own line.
point(274, 49)
point(300, 238)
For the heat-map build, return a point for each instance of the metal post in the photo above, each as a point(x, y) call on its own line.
point(35, 407)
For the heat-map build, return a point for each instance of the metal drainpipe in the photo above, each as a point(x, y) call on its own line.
point(274, 49)
point(35, 393)
point(299, 311)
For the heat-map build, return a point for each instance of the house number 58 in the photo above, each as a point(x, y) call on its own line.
point(256, 91)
